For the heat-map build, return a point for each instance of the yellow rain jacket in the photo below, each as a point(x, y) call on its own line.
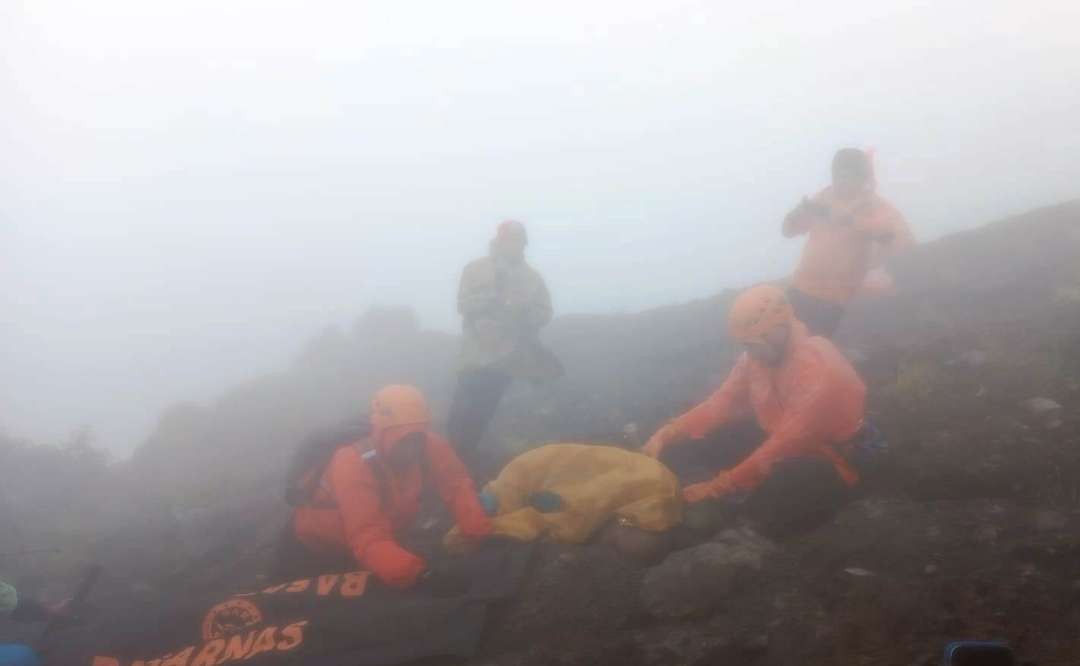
point(595, 483)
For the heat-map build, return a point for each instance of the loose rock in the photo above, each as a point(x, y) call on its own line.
point(1050, 521)
point(695, 580)
point(858, 572)
point(1044, 411)
point(972, 358)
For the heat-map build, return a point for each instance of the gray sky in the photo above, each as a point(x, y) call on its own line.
point(189, 189)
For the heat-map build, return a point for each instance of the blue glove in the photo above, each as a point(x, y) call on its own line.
point(489, 502)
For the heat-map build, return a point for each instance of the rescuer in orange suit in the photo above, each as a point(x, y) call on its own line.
point(370, 490)
point(804, 394)
point(851, 230)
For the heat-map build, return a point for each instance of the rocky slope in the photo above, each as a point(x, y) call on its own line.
point(971, 527)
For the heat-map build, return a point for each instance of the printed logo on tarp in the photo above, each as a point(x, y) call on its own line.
point(230, 617)
point(224, 650)
point(347, 585)
point(236, 629)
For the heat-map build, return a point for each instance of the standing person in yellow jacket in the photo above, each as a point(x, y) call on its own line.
point(851, 230)
point(504, 304)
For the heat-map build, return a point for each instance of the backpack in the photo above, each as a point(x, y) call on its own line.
point(313, 455)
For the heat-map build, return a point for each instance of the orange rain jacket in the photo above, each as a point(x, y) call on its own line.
point(348, 509)
point(810, 405)
point(844, 243)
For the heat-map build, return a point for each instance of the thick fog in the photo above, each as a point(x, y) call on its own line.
point(191, 189)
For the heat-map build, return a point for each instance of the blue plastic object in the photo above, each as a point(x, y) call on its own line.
point(18, 655)
point(990, 653)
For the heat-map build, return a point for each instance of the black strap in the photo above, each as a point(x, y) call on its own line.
point(382, 478)
point(382, 475)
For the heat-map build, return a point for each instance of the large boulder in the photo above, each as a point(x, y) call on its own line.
point(697, 580)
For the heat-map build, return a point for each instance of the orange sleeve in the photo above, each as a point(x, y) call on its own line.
point(903, 238)
point(803, 428)
point(368, 530)
point(884, 223)
point(730, 402)
point(456, 488)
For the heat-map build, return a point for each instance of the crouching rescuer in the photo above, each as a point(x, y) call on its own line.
point(806, 397)
point(367, 491)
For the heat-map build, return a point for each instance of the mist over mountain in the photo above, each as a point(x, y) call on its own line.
point(190, 192)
